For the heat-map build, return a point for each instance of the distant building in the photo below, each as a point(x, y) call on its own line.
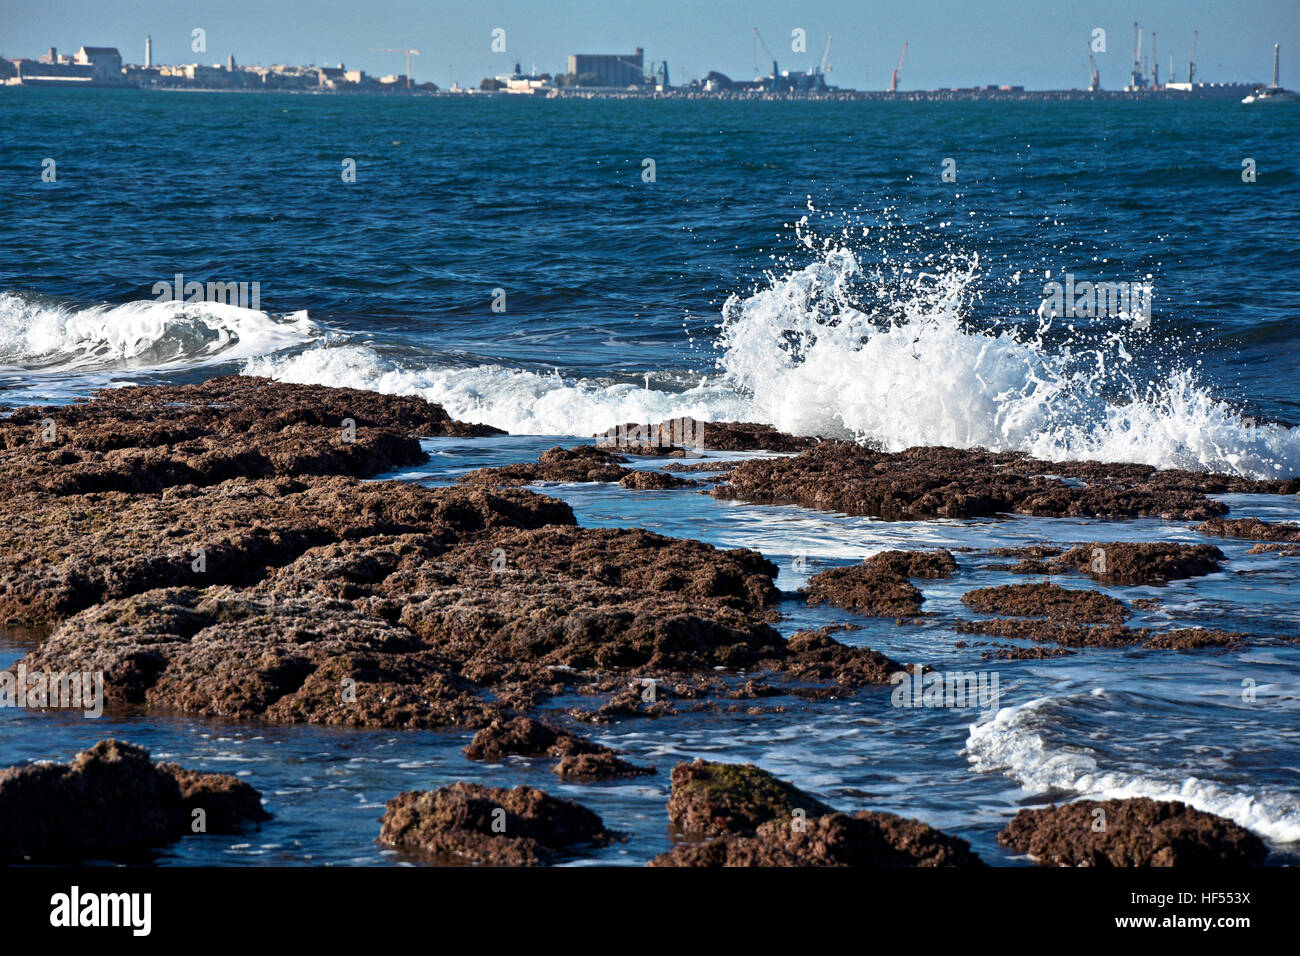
point(199, 73)
point(333, 76)
point(521, 82)
point(609, 69)
point(53, 69)
point(106, 61)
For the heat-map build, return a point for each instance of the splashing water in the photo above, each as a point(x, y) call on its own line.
point(890, 355)
point(908, 368)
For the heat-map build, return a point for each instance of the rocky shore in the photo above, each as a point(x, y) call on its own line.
point(219, 551)
point(1137, 832)
point(112, 802)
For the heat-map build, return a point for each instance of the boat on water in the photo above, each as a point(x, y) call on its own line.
point(1273, 93)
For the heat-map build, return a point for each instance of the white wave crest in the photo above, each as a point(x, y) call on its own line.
point(520, 401)
point(41, 336)
point(1016, 741)
point(801, 354)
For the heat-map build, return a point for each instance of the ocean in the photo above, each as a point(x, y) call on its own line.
point(874, 271)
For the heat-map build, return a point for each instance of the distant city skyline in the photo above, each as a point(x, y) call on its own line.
point(1038, 45)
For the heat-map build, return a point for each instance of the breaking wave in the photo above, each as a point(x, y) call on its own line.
point(1022, 742)
point(41, 336)
point(888, 356)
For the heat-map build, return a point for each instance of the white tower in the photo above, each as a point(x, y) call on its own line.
point(148, 51)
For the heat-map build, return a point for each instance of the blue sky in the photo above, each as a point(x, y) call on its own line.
point(1041, 45)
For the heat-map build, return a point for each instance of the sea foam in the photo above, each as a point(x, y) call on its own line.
point(888, 356)
point(1019, 741)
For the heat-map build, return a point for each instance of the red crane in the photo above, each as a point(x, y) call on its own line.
point(893, 83)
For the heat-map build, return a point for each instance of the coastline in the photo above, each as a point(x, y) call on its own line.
point(221, 519)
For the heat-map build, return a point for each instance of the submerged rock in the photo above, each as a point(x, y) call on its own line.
point(467, 823)
point(932, 482)
point(113, 802)
point(1132, 832)
point(525, 737)
point(1068, 634)
point(1033, 551)
point(598, 766)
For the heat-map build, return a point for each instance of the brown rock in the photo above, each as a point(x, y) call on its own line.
point(1125, 563)
point(717, 436)
point(929, 482)
point(240, 655)
point(113, 802)
point(416, 629)
point(580, 464)
point(467, 823)
point(864, 590)
point(1108, 635)
point(835, 839)
point(1037, 551)
point(525, 737)
point(1251, 528)
point(65, 553)
point(147, 438)
point(654, 481)
point(710, 798)
point(815, 656)
point(913, 564)
point(1136, 832)
point(1047, 600)
point(598, 766)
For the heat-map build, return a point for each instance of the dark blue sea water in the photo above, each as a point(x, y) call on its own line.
point(804, 264)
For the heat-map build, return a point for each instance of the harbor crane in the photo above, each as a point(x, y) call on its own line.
point(1136, 80)
point(409, 54)
point(656, 72)
point(893, 82)
point(1191, 64)
point(825, 66)
point(1094, 81)
point(758, 38)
